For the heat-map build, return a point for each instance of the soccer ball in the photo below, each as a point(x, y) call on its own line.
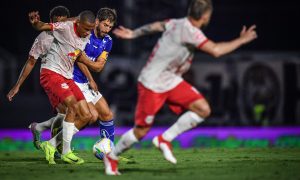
point(102, 147)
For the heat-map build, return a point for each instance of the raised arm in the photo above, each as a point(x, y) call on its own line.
point(151, 28)
point(218, 49)
point(27, 68)
point(34, 19)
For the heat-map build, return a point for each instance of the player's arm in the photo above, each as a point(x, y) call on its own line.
point(96, 66)
point(218, 49)
point(151, 28)
point(27, 68)
point(88, 74)
point(34, 19)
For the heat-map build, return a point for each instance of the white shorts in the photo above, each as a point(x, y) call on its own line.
point(89, 94)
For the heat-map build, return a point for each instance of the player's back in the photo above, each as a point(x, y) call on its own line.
point(172, 55)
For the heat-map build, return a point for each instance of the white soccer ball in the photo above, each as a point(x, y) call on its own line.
point(102, 147)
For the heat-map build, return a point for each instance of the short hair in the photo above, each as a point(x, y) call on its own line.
point(198, 7)
point(107, 13)
point(59, 11)
point(87, 16)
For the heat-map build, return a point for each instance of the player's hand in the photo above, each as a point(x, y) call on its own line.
point(12, 93)
point(93, 86)
point(34, 17)
point(124, 33)
point(248, 35)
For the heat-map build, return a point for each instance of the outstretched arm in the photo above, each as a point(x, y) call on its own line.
point(34, 19)
point(221, 48)
point(27, 68)
point(151, 28)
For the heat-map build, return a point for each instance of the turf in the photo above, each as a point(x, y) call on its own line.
point(230, 164)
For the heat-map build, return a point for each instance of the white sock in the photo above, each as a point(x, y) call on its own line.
point(47, 124)
point(126, 141)
point(185, 122)
point(56, 140)
point(67, 135)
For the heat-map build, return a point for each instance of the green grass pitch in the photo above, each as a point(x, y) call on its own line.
point(269, 163)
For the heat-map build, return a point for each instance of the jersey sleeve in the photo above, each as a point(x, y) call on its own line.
point(194, 36)
point(59, 26)
point(107, 48)
point(41, 45)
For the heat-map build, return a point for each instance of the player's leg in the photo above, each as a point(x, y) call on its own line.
point(98, 103)
point(184, 96)
point(37, 128)
point(192, 100)
point(62, 90)
point(148, 105)
point(106, 120)
point(80, 120)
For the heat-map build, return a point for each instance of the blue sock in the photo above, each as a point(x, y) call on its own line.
point(107, 129)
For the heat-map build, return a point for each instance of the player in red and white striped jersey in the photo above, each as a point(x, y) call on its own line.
point(160, 80)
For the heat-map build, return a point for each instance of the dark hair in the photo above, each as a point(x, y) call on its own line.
point(59, 11)
point(198, 7)
point(107, 13)
point(87, 16)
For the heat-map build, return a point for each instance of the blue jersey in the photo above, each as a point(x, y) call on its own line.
point(93, 49)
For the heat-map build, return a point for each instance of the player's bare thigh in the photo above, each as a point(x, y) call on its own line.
point(83, 113)
point(94, 113)
point(104, 112)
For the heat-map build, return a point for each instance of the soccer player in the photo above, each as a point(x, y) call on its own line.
point(160, 80)
point(97, 49)
point(56, 76)
point(39, 49)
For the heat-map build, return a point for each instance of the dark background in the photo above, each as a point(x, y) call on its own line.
point(277, 27)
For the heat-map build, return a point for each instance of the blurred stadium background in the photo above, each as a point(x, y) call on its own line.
point(254, 92)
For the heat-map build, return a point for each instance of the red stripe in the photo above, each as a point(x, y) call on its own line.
point(52, 26)
point(202, 44)
point(75, 29)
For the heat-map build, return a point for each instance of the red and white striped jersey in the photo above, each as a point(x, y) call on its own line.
point(64, 50)
point(172, 55)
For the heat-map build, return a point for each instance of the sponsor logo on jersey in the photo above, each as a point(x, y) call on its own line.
point(74, 55)
point(149, 119)
point(64, 86)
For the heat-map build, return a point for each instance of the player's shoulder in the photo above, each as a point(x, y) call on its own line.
point(107, 38)
point(187, 25)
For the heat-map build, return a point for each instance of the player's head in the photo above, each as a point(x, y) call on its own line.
point(59, 13)
point(200, 10)
point(106, 19)
point(85, 23)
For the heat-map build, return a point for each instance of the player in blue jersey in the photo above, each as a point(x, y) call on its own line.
point(97, 49)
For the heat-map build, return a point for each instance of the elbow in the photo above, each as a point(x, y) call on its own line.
point(216, 53)
point(98, 69)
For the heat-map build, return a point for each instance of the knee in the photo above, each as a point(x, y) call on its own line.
point(94, 117)
point(205, 111)
point(140, 132)
point(106, 116)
